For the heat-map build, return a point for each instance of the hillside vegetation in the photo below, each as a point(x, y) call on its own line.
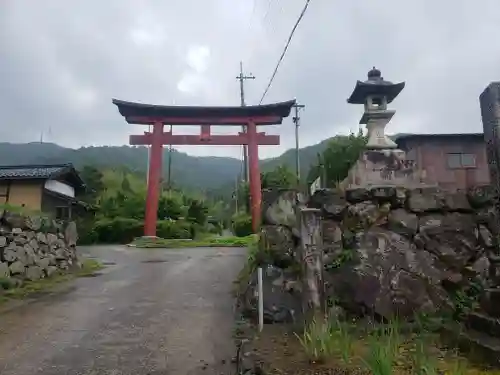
point(213, 175)
point(196, 173)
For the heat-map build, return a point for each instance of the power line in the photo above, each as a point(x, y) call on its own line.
point(254, 8)
point(285, 49)
point(250, 35)
point(267, 10)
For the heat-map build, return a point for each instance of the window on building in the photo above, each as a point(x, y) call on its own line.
point(458, 161)
point(468, 160)
point(62, 213)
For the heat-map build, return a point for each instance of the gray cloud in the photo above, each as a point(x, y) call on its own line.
point(62, 62)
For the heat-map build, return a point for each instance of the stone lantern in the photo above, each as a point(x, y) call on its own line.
point(381, 163)
point(375, 93)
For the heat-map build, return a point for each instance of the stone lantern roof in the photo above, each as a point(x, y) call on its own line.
point(375, 85)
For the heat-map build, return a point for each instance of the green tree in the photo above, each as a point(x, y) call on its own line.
point(244, 197)
point(338, 158)
point(93, 178)
point(281, 177)
point(170, 206)
point(126, 185)
point(197, 212)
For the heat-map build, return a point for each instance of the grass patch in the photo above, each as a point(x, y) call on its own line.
point(152, 243)
point(89, 267)
point(318, 341)
point(354, 348)
point(31, 288)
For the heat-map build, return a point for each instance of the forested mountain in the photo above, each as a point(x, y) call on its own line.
point(205, 173)
point(187, 171)
point(202, 173)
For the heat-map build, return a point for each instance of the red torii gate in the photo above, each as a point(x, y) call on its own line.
point(158, 116)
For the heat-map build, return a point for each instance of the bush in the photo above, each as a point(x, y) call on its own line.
point(198, 231)
point(125, 230)
point(87, 236)
point(242, 225)
point(118, 230)
point(214, 228)
point(170, 207)
point(197, 212)
point(86, 232)
point(170, 229)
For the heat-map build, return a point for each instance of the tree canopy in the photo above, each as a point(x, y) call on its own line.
point(340, 155)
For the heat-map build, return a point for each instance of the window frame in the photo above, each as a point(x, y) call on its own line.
point(461, 156)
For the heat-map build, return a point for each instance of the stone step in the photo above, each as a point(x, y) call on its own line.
point(477, 346)
point(483, 323)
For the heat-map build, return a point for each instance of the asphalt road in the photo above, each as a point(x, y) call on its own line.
point(150, 312)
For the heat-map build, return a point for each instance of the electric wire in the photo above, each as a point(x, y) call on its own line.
point(254, 9)
point(285, 49)
point(252, 39)
point(267, 10)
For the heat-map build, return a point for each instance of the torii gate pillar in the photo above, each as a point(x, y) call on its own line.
point(254, 174)
point(154, 177)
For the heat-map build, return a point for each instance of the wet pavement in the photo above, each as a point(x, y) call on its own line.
point(149, 312)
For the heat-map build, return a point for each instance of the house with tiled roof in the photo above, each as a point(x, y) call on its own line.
point(51, 188)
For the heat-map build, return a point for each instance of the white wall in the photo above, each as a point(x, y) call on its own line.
point(60, 187)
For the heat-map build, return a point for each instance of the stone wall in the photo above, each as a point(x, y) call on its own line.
point(34, 247)
point(276, 253)
point(385, 250)
point(390, 250)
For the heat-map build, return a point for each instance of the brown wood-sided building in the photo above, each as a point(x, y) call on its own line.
point(454, 161)
point(52, 189)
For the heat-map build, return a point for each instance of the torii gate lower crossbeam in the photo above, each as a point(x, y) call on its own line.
point(158, 116)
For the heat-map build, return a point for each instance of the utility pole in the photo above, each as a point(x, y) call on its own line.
point(236, 192)
point(242, 78)
point(296, 120)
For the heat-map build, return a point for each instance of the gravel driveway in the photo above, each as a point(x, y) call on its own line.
point(149, 312)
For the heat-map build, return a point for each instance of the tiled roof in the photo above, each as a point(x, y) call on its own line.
point(31, 171)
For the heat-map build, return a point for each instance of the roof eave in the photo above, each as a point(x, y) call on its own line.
point(70, 170)
point(406, 137)
point(132, 109)
point(362, 90)
point(15, 178)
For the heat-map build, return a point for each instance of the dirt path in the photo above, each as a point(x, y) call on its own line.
point(150, 312)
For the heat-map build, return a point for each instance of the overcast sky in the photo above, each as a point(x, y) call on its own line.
point(61, 63)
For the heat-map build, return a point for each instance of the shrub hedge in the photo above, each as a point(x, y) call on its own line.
point(242, 225)
point(123, 230)
point(173, 229)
